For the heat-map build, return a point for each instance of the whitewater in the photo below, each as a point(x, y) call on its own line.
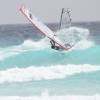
point(30, 69)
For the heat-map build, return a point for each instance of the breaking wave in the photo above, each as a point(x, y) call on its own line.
point(44, 73)
point(75, 34)
point(46, 96)
point(67, 97)
point(28, 45)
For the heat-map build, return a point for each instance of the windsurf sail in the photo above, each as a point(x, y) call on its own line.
point(42, 27)
point(65, 19)
point(64, 33)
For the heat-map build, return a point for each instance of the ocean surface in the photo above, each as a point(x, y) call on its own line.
point(31, 70)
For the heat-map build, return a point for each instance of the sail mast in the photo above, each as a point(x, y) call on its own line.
point(61, 18)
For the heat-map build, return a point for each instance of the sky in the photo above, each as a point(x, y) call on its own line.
point(49, 10)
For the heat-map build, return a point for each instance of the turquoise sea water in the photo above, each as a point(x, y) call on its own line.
point(29, 67)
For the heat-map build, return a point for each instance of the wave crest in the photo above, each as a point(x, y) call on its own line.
point(44, 73)
point(48, 97)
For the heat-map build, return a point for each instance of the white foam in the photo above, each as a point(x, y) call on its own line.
point(48, 97)
point(28, 45)
point(84, 44)
point(44, 73)
point(77, 36)
point(69, 34)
